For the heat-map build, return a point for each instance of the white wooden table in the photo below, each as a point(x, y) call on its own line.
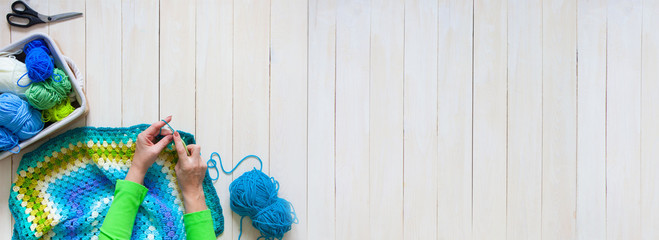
point(394, 119)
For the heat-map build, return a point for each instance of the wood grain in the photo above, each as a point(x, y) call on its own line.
point(524, 184)
point(386, 119)
point(623, 130)
point(251, 91)
point(321, 138)
point(103, 56)
point(140, 62)
point(6, 169)
point(401, 119)
point(454, 92)
point(352, 119)
point(649, 118)
point(489, 123)
point(559, 119)
point(591, 120)
point(214, 56)
point(288, 106)
point(177, 63)
point(420, 120)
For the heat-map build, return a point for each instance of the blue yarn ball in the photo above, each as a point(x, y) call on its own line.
point(254, 194)
point(39, 64)
point(8, 140)
point(37, 43)
point(17, 116)
point(275, 220)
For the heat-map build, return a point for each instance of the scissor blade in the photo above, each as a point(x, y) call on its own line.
point(63, 16)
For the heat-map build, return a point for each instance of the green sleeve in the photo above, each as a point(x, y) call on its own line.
point(199, 225)
point(118, 223)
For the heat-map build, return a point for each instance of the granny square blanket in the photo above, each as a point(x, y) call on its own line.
point(64, 188)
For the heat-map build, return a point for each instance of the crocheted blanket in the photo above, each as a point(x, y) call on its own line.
point(65, 187)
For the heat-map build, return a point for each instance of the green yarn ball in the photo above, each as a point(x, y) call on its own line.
point(58, 112)
point(47, 94)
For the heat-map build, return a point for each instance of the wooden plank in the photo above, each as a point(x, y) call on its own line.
point(70, 34)
point(140, 66)
point(251, 89)
point(559, 116)
point(40, 6)
point(386, 119)
point(591, 120)
point(288, 106)
point(103, 56)
point(5, 184)
point(6, 169)
point(420, 120)
point(5, 30)
point(321, 139)
point(623, 120)
point(649, 120)
point(214, 58)
point(524, 191)
point(71, 37)
point(352, 119)
point(454, 64)
point(177, 63)
point(489, 120)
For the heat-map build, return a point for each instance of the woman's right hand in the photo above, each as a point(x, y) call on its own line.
point(190, 172)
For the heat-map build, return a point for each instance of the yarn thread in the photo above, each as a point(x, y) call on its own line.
point(212, 164)
point(10, 71)
point(58, 112)
point(17, 116)
point(47, 94)
point(38, 61)
point(254, 195)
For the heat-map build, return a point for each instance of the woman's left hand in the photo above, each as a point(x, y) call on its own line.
point(147, 150)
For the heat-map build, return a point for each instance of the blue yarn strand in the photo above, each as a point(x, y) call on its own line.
point(234, 168)
point(19, 149)
point(59, 77)
point(19, 80)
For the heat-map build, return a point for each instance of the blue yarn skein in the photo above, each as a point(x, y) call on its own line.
point(254, 195)
point(8, 140)
point(37, 43)
point(17, 116)
point(38, 62)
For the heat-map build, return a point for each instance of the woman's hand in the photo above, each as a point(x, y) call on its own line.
point(147, 150)
point(190, 172)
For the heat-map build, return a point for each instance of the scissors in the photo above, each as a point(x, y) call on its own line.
point(24, 16)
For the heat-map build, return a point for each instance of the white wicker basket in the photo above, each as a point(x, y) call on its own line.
point(77, 82)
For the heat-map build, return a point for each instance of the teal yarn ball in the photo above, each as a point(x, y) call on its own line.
point(254, 195)
point(17, 116)
point(47, 94)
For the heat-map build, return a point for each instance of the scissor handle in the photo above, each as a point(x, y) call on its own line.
point(24, 21)
point(21, 7)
